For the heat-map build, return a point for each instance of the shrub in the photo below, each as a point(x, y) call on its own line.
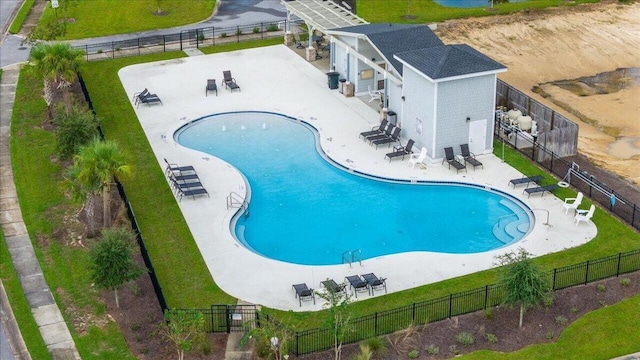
point(549, 335)
point(73, 130)
point(561, 320)
point(135, 327)
point(454, 349)
point(224, 34)
point(200, 37)
point(99, 51)
point(365, 353)
point(488, 313)
point(239, 32)
point(465, 338)
point(272, 27)
point(574, 309)
point(377, 345)
point(492, 338)
point(548, 300)
point(256, 30)
point(602, 303)
point(432, 349)
point(625, 282)
point(601, 288)
point(413, 354)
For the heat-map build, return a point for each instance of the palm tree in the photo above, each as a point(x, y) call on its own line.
point(84, 193)
point(98, 163)
point(59, 64)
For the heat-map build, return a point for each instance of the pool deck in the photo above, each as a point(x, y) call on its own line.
point(275, 79)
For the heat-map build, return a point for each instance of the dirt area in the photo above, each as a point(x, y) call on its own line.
point(497, 329)
point(541, 46)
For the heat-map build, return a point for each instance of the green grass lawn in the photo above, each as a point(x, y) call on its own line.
point(21, 16)
point(108, 17)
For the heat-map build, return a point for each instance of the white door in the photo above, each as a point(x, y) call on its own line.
point(477, 136)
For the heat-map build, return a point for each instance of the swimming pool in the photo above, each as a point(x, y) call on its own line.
point(471, 3)
point(305, 209)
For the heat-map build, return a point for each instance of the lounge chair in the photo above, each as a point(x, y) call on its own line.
point(451, 160)
point(395, 137)
point(143, 93)
point(184, 186)
point(376, 130)
point(145, 97)
point(357, 284)
point(303, 293)
point(375, 283)
point(572, 203)
point(417, 158)
point(375, 94)
point(387, 132)
point(177, 170)
point(402, 151)
point(540, 189)
point(584, 215)
point(333, 287)
point(469, 157)
point(190, 191)
point(229, 81)
point(525, 180)
point(211, 86)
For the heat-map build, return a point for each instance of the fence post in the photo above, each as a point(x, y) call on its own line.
point(450, 304)
point(555, 271)
point(180, 40)
point(164, 43)
point(138, 46)
point(618, 269)
point(633, 215)
point(226, 319)
point(237, 33)
point(586, 274)
point(413, 314)
point(113, 51)
point(486, 295)
point(375, 324)
point(297, 344)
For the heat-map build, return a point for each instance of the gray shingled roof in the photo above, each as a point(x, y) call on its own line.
point(392, 39)
point(449, 60)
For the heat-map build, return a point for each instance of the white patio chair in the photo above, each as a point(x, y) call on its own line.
point(584, 215)
point(417, 158)
point(375, 94)
point(572, 203)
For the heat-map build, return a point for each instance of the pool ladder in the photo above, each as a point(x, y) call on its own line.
point(352, 256)
point(234, 200)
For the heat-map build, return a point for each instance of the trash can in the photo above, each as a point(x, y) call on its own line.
point(341, 88)
point(332, 79)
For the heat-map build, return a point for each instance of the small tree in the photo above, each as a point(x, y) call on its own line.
point(74, 130)
point(112, 260)
point(183, 329)
point(340, 314)
point(271, 336)
point(159, 4)
point(522, 280)
point(99, 162)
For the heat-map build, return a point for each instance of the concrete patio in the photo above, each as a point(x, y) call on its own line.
point(276, 79)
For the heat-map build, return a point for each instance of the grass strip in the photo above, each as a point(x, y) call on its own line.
point(16, 25)
point(44, 207)
point(420, 12)
point(20, 306)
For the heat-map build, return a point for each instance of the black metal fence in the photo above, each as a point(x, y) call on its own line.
point(366, 327)
point(132, 218)
point(227, 318)
point(597, 191)
point(186, 39)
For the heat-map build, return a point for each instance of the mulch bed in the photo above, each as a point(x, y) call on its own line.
point(540, 325)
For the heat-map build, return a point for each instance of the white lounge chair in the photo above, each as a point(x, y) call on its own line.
point(375, 94)
point(584, 215)
point(417, 158)
point(572, 203)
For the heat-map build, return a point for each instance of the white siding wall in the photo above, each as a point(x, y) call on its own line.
point(457, 100)
point(418, 106)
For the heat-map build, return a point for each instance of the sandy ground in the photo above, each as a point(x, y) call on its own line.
point(567, 43)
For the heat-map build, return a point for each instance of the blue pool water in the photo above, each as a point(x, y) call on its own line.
point(306, 210)
point(470, 3)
